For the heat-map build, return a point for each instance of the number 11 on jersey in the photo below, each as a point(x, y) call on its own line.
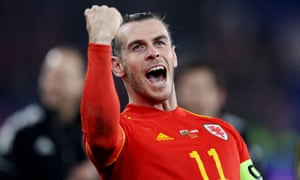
point(213, 153)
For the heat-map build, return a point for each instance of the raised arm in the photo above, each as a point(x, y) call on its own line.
point(100, 109)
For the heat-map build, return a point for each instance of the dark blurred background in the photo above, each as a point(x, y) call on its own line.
point(256, 43)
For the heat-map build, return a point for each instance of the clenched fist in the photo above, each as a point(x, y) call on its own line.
point(102, 23)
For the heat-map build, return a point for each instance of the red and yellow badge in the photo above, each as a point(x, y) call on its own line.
point(217, 130)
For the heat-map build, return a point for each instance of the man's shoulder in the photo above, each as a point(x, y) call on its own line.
point(28, 115)
point(208, 120)
point(20, 120)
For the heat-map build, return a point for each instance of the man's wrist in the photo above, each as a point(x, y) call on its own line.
point(104, 38)
point(96, 41)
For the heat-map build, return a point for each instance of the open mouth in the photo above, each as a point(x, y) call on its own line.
point(156, 74)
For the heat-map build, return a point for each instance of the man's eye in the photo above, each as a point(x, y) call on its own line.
point(160, 43)
point(137, 47)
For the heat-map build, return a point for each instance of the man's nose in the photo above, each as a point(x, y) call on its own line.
point(153, 53)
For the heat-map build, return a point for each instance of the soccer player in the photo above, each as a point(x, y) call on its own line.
point(152, 138)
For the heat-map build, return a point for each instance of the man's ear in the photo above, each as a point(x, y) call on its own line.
point(175, 57)
point(117, 67)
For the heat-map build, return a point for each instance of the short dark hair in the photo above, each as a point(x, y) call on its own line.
point(127, 18)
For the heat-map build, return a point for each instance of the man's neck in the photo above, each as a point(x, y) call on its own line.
point(165, 105)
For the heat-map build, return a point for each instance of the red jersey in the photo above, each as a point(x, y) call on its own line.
point(147, 143)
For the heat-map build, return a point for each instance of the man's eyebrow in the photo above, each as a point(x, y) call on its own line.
point(139, 41)
point(161, 37)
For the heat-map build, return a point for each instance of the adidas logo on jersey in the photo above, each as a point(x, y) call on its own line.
point(163, 137)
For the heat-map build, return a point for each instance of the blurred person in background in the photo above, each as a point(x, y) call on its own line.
point(201, 88)
point(44, 140)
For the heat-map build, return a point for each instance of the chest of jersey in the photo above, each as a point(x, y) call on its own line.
point(178, 147)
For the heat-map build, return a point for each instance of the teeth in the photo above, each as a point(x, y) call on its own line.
point(156, 68)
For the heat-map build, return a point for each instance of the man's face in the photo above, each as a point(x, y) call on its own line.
point(60, 81)
point(148, 58)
